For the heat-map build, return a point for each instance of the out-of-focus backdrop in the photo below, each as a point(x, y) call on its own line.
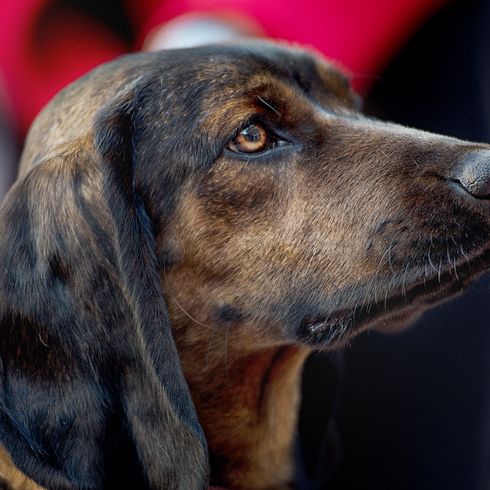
point(412, 410)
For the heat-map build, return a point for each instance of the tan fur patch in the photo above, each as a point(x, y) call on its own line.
point(11, 478)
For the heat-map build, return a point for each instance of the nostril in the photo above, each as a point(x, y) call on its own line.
point(473, 173)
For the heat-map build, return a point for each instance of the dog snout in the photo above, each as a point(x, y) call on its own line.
point(473, 173)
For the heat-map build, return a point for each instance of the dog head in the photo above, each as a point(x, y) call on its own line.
point(241, 184)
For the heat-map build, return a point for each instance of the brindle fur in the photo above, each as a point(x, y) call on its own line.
point(128, 198)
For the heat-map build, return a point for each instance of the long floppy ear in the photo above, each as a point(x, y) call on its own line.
point(92, 394)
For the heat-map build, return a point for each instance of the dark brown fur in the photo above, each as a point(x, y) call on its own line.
point(127, 177)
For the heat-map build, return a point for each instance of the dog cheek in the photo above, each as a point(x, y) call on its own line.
point(239, 195)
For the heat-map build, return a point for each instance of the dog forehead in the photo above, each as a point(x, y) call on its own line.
point(223, 85)
point(244, 63)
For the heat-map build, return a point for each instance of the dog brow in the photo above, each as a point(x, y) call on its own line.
point(268, 105)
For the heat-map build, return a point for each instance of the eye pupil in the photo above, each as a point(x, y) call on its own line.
point(252, 134)
point(252, 139)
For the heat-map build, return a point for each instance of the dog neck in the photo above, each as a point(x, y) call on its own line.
point(248, 410)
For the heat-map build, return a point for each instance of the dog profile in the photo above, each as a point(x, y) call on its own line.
point(187, 226)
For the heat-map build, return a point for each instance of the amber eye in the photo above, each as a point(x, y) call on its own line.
point(252, 139)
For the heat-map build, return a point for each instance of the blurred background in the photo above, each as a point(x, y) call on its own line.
point(405, 411)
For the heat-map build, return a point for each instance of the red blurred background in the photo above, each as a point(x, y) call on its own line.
point(45, 44)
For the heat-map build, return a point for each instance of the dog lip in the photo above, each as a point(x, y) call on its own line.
point(326, 328)
point(418, 296)
point(336, 327)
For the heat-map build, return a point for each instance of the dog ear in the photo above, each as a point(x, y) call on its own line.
point(92, 393)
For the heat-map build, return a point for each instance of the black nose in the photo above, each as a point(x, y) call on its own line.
point(473, 173)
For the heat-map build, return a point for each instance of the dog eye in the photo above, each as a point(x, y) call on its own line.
point(253, 139)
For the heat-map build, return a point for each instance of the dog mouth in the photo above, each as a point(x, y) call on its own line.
point(315, 329)
point(398, 308)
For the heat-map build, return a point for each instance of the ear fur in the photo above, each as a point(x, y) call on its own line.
point(92, 394)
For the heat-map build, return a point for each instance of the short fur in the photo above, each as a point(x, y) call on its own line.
point(133, 225)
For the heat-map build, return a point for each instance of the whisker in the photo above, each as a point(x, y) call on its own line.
point(174, 299)
point(210, 343)
point(404, 279)
point(451, 263)
point(268, 105)
point(227, 330)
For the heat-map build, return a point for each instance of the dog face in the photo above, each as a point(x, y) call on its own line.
point(241, 187)
point(304, 221)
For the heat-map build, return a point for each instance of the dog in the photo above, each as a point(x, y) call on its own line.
point(187, 226)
